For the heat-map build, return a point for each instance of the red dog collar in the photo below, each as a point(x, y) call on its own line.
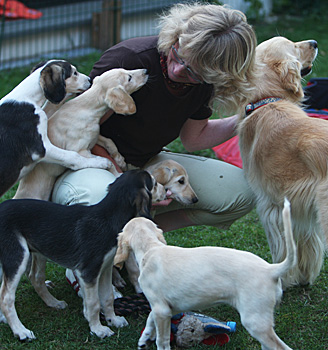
point(252, 106)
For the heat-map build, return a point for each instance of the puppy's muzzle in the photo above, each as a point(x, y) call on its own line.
point(194, 200)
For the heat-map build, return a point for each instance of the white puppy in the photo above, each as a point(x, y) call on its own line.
point(178, 279)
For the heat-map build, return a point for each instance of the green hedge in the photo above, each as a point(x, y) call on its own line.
point(300, 7)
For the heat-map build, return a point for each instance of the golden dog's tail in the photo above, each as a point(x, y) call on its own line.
point(291, 256)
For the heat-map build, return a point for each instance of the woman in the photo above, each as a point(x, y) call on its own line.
point(203, 59)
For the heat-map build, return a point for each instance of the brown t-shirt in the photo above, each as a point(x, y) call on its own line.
point(160, 115)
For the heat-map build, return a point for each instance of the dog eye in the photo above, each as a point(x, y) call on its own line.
point(181, 181)
point(130, 77)
point(75, 73)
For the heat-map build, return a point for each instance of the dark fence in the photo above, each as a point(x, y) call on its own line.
point(38, 29)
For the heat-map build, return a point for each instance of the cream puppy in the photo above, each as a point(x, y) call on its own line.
point(178, 279)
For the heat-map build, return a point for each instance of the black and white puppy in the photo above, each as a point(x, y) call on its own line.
point(23, 123)
point(81, 238)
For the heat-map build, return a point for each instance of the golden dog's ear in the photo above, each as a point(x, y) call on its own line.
point(119, 101)
point(122, 252)
point(290, 74)
point(52, 82)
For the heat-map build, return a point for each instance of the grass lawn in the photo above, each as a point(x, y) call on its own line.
point(301, 318)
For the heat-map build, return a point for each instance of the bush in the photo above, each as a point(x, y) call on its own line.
point(315, 8)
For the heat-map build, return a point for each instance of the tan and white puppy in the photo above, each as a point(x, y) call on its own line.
point(284, 154)
point(176, 279)
point(75, 127)
point(174, 178)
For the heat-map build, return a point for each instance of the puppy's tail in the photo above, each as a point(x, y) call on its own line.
point(291, 256)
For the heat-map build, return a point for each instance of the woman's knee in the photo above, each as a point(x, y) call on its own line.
point(222, 206)
point(86, 186)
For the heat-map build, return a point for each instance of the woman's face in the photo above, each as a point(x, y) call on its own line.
point(179, 70)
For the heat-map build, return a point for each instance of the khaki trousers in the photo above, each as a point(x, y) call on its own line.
point(223, 193)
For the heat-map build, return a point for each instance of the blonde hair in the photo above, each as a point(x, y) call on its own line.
point(219, 45)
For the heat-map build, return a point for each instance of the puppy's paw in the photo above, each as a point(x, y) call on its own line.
point(25, 334)
point(102, 331)
point(118, 281)
point(148, 337)
point(118, 321)
point(116, 293)
point(138, 289)
point(61, 304)
point(103, 163)
point(2, 318)
point(145, 343)
point(120, 161)
point(49, 284)
point(91, 162)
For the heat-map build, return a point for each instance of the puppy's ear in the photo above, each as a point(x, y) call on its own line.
point(122, 252)
point(159, 234)
point(52, 81)
point(162, 174)
point(142, 202)
point(290, 74)
point(38, 65)
point(120, 101)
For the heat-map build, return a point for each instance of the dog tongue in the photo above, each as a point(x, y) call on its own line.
point(168, 194)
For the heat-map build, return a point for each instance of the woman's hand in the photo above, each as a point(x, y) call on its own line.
point(203, 134)
point(100, 151)
point(162, 203)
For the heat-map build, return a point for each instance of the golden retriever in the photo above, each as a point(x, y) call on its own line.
point(75, 126)
point(284, 154)
point(176, 279)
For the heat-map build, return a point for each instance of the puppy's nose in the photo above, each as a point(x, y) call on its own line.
point(314, 44)
point(195, 200)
